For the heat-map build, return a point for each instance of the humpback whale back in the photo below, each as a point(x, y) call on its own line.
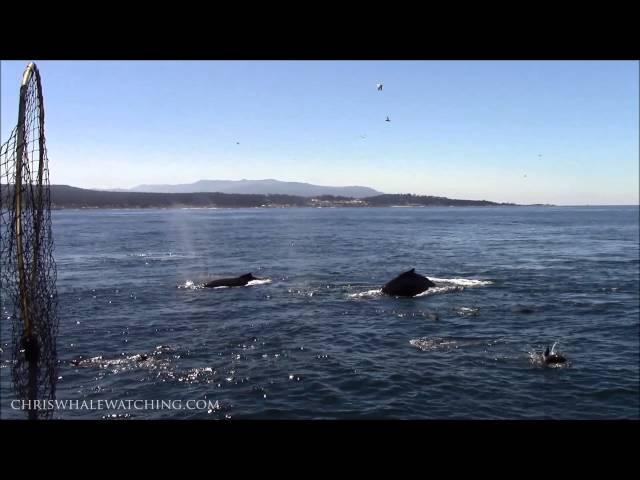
point(408, 284)
point(240, 281)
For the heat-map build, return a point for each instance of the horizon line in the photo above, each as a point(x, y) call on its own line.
point(384, 193)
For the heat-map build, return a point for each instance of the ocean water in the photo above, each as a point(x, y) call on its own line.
point(315, 339)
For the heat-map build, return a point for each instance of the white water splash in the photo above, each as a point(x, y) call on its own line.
point(462, 282)
point(190, 285)
point(447, 344)
point(368, 294)
point(261, 281)
point(200, 208)
point(467, 311)
point(440, 289)
point(426, 343)
point(537, 359)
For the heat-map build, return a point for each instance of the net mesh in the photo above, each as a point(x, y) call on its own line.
point(28, 297)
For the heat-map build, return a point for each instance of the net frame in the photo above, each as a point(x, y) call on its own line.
point(28, 296)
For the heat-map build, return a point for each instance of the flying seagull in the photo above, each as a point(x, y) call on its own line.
point(379, 87)
point(387, 120)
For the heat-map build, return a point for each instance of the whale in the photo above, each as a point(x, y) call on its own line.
point(552, 357)
point(407, 284)
point(240, 281)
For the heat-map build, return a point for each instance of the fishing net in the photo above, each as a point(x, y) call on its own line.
point(28, 297)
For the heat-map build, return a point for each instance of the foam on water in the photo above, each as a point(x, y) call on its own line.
point(368, 294)
point(426, 343)
point(467, 311)
point(190, 285)
point(446, 285)
point(440, 289)
point(462, 282)
point(262, 281)
point(438, 343)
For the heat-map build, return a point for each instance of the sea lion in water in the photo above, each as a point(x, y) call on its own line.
point(552, 357)
point(240, 281)
point(408, 284)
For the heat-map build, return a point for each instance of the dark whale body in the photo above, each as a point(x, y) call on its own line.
point(552, 357)
point(240, 281)
point(408, 284)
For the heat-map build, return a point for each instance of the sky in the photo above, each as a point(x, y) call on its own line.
point(561, 132)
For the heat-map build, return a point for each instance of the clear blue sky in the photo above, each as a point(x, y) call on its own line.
point(461, 129)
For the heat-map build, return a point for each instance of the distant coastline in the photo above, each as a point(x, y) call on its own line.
point(67, 197)
point(63, 196)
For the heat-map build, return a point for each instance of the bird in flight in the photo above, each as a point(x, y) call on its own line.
point(387, 120)
point(379, 87)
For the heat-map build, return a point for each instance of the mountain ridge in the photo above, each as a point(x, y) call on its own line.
point(267, 186)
